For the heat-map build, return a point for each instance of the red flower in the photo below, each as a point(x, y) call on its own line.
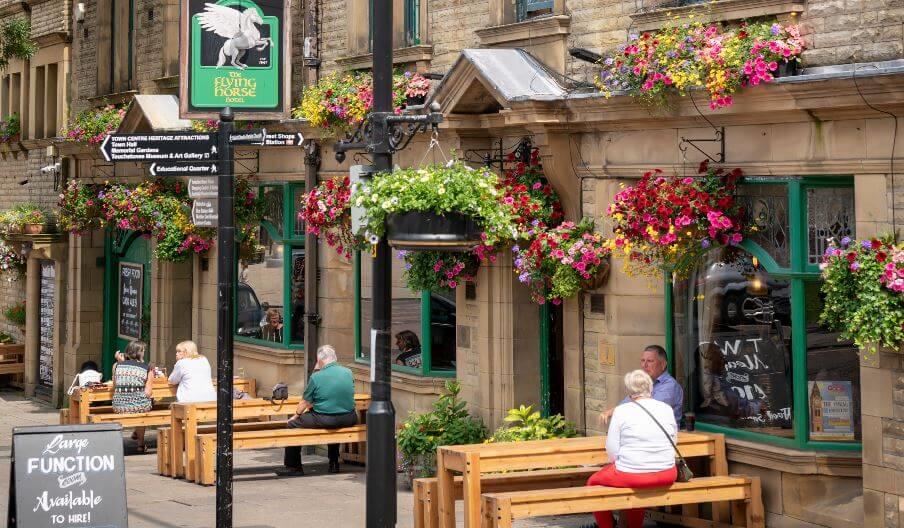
point(851, 257)
point(875, 244)
point(704, 166)
point(881, 256)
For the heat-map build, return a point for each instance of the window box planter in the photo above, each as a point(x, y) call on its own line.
point(426, 230)
point(788, 69)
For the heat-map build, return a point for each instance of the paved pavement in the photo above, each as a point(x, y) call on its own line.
point(262, 499)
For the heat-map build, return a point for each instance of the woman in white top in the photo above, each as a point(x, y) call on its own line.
point(640, 455)
point(192, 375)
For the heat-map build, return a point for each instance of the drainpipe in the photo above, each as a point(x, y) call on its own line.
point(312, 314)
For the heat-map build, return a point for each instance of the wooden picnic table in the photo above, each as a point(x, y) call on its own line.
point(81, 400)
point(473, 460)
point(186, 417)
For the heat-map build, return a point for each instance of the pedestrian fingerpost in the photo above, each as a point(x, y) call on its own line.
point(70, 476)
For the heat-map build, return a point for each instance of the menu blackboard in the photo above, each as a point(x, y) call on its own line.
point(67, 476)
point(131, 282)
point(47, 293)
point(755, 366)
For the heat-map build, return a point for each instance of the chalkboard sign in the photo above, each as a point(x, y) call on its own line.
point(68, 477)
point(131, 286)
point(47, 294)
point(753, 375)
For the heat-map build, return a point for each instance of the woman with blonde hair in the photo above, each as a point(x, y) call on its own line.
point(639, 446)
point(192, 375)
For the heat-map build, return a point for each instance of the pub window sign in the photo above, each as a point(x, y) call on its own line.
point(236, 55)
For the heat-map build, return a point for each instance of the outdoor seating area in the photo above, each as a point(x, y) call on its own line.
point(479, 473)
point(12, 359)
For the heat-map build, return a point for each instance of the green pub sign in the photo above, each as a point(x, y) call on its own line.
point(236, 55)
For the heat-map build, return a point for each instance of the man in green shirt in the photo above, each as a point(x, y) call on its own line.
point(329, 403)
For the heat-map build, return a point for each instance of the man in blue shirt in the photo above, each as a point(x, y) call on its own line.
point(666, 389)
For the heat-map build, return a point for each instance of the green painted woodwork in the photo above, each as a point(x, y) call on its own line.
point(129, 247)
point(545, 395)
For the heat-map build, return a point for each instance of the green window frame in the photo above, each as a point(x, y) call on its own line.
point(426, 368)
point(412, 14)
point(292, 238)
point(799, 272)
point(527, 9)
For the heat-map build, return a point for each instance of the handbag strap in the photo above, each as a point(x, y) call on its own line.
point(661, 428)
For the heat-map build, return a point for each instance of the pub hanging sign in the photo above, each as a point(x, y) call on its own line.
point(235, 53)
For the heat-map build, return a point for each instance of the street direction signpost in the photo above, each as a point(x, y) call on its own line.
point(203, 187)
point(159, 147)
point(254, 136)
point(284, 139)
point(204, 213)
point(183, 168)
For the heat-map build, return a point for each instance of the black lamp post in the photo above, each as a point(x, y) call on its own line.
point(383, 133)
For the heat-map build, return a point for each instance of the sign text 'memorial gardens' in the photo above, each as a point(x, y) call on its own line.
point(235, 53)
point(159, 147)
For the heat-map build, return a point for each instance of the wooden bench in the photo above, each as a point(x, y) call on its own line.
point(187, 417)
point(84, 402)
point(500, 509)
point(261, 439)
point(475, 460)
point(164, 439)
point(426, 510)
point(12, 359)
point(147, 419)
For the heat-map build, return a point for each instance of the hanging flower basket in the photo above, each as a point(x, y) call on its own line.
point(598, 279)
point(440, 208)
point(426, 230)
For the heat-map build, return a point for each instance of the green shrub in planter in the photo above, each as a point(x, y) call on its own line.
point(449, 423)
point(524, 423)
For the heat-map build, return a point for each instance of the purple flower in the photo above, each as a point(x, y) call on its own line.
point(845, 241)
point(704, 243)
point(855, 266)
point(866, 244)
point(609, 61)
point(516, 249)
point(407, 266)
point(776, 29)
point(518, 263)
point(524, 277)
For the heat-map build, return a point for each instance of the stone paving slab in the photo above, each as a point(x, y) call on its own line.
point(262, 499)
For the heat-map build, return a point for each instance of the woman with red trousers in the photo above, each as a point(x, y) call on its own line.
point(640, 454)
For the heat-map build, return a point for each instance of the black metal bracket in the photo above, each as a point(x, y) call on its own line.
point(720, 139)
point(387, 132)
point(498, 155)
point(313, 318)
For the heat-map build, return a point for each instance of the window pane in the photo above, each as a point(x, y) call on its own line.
point(830, 214)
point(298, 207)
point(297, 283)
point(833, 378)
point(273, 207)
point(259, 296)
point(442, 331)
point(406, 315)
point(766, 209)
point(733, 343)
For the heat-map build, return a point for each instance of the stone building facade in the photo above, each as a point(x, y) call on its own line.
point(817, 131)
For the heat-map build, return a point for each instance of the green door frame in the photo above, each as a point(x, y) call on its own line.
point(112, 254)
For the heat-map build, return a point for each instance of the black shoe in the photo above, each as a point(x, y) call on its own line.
point(290, 471)
point(334, 467)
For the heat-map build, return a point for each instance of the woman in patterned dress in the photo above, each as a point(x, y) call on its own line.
point(132, 386)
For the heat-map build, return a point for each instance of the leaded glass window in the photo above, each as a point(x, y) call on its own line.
point(766, 212)
point(830, 214)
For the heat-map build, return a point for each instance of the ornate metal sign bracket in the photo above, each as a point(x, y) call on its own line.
point(720, 139)
point(497, 156)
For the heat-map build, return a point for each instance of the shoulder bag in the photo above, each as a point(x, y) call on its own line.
point(684, 473)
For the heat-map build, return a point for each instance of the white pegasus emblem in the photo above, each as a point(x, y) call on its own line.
point(239, 28)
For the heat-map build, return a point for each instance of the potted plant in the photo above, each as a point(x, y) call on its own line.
point(559, 262)
point(523, 423)
point(415, 87)
point(11, 261)
point(863, 285)
point(33, 219)
point(10, 129)
point(16, 314)
point(437, 271)
point(665, 223)
point(440, 208)
point(93, 124)
point(449, 423)
point(327, 214)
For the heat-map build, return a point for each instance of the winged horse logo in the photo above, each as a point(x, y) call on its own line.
point(239, 28)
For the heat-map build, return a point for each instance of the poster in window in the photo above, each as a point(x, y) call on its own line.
point(831, 417)
point(745, 375)
point(47, 295)
point(131, 282)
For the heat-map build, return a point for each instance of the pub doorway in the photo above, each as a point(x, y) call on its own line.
point(552, 355)
point(127, 293)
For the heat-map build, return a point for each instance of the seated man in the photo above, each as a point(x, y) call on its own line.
point(666, 389)
point(329, 403)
